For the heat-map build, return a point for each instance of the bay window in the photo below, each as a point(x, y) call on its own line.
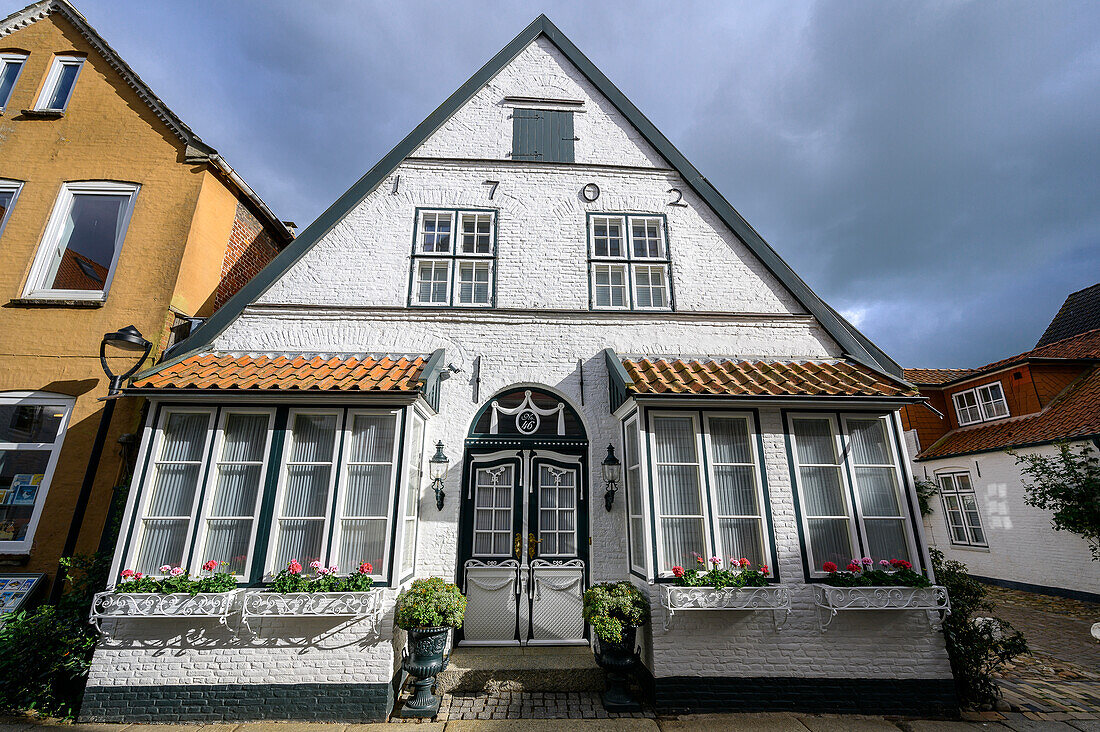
point(708, 496)
point(635, 506)
point(454, 258)
point(328, 489)
point(849, 483)
point(628, 262)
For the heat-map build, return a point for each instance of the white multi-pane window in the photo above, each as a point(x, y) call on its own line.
point(82, 242)
point(850, 492)
point(454, 259)
point(171, 491)
point(628, 262)
point(11, 65)
point(494, 495)
point(557, 511)
point(980, 404)
point(9, 192)
point(234, 487)
point(60, 81)
point(414, 475)
point(692, 452)
point(32, 428)
point(960, 509)
point(332, 492)
point(635, 506)
point(368, 479)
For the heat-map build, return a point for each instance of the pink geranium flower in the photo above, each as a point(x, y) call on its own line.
point(315, 564)
point(884, 563)
point(176, 571)
point(365, 568)
point(165, 569)
point(210, 566)
point(715, 561)
point(294, 567)
point(332, 569)
point(127, 573)
point(867, 561)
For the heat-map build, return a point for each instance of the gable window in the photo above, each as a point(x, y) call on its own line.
point(32, 428)
point(83, 239)
point(9, 191)
point(60, 81)
point(454, 259)
point(960, 509)
point(628, 262)
point(11, 65)
point(542, 135)
point(980, 404)
point(708, 497)
point(848, 479)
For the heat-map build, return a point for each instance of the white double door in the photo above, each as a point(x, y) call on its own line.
point(525, 543)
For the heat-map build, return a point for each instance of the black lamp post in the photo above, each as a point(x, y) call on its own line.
point(612, 471)
point(126, 339)
point(437, 468)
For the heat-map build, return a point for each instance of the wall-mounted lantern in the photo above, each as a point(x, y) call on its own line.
point(437, 468)
point(612, 471)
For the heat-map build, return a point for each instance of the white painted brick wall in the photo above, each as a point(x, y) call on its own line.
point(483, 127)
point(1023, 545)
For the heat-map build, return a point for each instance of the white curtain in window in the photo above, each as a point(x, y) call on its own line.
point(365, 512)
point(171, 498)
point(681, 507)
point(413, 478)
point(305, 491)
point(737, 496)
point(233, 504)
point(877, 482)
point(822, 489)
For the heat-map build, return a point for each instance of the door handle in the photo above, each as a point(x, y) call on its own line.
point(518, 545)
point(532, 545)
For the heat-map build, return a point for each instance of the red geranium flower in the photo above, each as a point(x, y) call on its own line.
point(294, 567)
point(210, 566)
point(677, 571)
point(127, 573)
point(900, 564)
point(365, 568)
point(853, 567)
point(763, 569)
point(829, 567)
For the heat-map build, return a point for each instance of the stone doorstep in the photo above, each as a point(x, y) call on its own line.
point(518, 668)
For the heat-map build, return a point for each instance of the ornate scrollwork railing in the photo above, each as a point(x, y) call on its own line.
point(352, 605)
point(831, 600)
point(124, 605)
point(775, 598)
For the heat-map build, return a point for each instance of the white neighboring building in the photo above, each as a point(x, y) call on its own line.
point(1027, 404)
point(532, 275)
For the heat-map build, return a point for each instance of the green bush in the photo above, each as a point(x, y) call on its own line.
point(430, 603)
point(45, 654)
point(977, 643)
point(613, 606)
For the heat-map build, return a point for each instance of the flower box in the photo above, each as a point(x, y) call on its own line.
point(131, 605)
point(831, 600)
point(776, 598)
point(352, 605)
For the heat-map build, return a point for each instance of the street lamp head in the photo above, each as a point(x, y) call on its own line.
point(128, 338)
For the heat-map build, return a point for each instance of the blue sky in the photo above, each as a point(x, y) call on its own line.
point(931, 169)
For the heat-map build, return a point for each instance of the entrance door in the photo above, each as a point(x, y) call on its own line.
point(525, 544)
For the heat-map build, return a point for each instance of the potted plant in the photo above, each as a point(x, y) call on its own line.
point(616, 610)
point(427, 610)
point(173, 593)
point(323, 593)
point(894, 585)
point(736, 586)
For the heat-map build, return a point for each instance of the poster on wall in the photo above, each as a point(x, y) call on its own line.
point(17, 590)
point(24, 488)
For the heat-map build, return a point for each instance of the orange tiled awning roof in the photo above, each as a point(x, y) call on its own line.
point(1074, 414)
point(759, 378)
point(290, 372)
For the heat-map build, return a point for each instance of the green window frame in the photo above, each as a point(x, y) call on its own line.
point(454, 258)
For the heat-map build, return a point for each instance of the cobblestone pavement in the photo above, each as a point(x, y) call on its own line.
point(1060, 679)
point(527, 705)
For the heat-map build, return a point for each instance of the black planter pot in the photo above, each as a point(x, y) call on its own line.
point(618, 660)
point(423, 661)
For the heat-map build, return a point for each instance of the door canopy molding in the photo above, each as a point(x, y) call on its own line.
point(527, 416)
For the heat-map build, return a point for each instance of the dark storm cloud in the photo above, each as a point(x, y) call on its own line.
point(930, 169)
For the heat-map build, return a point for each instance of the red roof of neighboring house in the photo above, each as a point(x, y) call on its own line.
point(759, 378)
point(1083, 345)
point(291, 372)
point(936, 376)
point(1075, 413)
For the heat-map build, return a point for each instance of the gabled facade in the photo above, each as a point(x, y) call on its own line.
point(532, 276)
point(112, 213)
point(1025, 403)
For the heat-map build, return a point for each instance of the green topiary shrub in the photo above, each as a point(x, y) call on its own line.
point(612, 606)
point(977, 644)
point(430, 603)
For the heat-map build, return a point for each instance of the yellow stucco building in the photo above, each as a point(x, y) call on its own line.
point(112, 213)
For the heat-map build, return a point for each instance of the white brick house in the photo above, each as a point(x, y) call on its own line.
point(532, 275)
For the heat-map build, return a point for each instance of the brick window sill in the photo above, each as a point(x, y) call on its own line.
point(42, 113)
point(41, 302)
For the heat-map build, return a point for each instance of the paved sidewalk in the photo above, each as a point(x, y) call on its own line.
point(686, 723)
